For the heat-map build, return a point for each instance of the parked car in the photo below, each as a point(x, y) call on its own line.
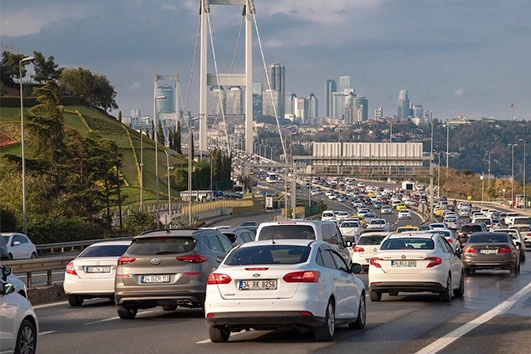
point(17, 246)
point(307, 285)
point(422, 262)
point(91, 274)
point(167, 268)
point(491, 250)
point(368, 245)
point(19, 326)
point(327, 231)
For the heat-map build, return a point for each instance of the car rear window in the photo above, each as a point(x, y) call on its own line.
point(161, 245)
point(104, 251)
point(278, 232)
point(407, 243)
point(488, 238)
point(268, 254)
point(371, 240)
point(471, 228)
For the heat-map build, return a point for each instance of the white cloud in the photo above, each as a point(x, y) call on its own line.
point(21, 22)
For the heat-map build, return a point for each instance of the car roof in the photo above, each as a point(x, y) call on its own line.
point(375, 233)
point(417, 234)
point(299, 242)
point(111, 243)
point(175, 233)
point(297, 222)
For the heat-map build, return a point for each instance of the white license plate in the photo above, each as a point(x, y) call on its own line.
point(487, 251)
point(264, 284)
point(404, 263)
point(155, 278)
point(97, 269)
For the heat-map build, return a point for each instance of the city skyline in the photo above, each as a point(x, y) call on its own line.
point(454, 58)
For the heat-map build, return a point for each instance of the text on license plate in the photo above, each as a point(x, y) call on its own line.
point(487, 251)
point(264, 284)
point(163, 278)
point(404, 263)
point(97, 269)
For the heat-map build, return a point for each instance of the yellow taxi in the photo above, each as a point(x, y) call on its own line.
point(406, 228)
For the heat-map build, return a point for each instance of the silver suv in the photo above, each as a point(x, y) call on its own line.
point(167, 268)
point(323, 230)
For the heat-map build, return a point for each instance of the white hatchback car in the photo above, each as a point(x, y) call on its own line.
point(306, 284)
point(19, 326)
point(18, 246)
point(368, 245)
point(416, 263)
point(91, 274)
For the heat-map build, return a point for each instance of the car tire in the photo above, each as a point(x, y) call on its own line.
point(325, 333)
point(26, 338)
point(219, 334)
point(362, 314)
point(446, 294)
point(75, 300)
point(126, 313)
point(460, 291)
point(375, 295)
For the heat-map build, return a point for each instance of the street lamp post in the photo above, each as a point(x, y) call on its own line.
point(141, 165)
point(525, 202)
point(169, 189)
point(23, 147)
point(489, 152)
point(155, 132)
point(512, 172)
point(447, 147)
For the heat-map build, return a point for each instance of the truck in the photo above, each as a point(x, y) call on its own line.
point(408, 185)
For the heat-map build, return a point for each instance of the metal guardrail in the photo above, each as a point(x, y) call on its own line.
point(48, 265)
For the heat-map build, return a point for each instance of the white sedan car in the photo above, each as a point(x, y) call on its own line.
point(19, 327)
point(416, 263)
point(91, 273)
point(404, 214)
point(306, 285)
point(18, 246)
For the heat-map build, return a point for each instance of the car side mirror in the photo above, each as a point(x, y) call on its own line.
point(355, 268)
point(7, 288)
point(348, 243)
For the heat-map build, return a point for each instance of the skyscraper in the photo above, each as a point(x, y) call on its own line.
point(403, 106)
point(344, 83)
point(234, 101)
point(257, 99)
point(312, 106)
point(330, 88)
point(276, 74)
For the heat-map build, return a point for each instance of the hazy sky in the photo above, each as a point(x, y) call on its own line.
point(455, 57)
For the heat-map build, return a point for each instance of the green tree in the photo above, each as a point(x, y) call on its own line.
point(45, 69)
point(9, 69)
point(177, 143)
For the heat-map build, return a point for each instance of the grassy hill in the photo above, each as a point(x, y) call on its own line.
point(85, 120)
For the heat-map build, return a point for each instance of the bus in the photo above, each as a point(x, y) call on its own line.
point(272, 177)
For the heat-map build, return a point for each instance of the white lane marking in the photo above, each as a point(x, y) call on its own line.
point(467, 327)
point(103, 320)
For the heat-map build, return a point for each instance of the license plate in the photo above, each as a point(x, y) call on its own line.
point(404, 263)
point(155, 278)
point(487, 251)
point(97, 269)
point(264, 284)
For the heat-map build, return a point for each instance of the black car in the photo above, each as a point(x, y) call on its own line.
point(465, 230)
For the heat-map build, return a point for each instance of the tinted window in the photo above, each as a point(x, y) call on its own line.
point(371, 240)
point(161, 245)
point(278, 232)
point(488, 238)
point(340, 263)
point(268, 254)
point(104, 251)
point(444, 245)
point(407, 243)
point(225, 243)
point(328, 260)
point(214, 243)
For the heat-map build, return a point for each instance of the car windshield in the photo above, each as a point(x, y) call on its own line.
point(371, 240)
point(277, 232)
point(104, 251)
point(268, 254)
point(161, 245)
point(488, 238)
point(350, 224)
point(407, 243)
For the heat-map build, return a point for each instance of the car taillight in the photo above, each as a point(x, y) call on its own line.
point(193, 258)
point(126, 260)
point(256, 268)
point(70, 269)
point(469, 249)
point(359, 249)
point(450, 240)
point(309, 276)
point(433, 261)
point(375, 261)
point(218, 278)
point(504, 249)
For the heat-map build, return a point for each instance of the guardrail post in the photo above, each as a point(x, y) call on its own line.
point(28, 280)
point(49, 277)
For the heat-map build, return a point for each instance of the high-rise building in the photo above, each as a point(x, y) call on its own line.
point(330, 88)
point(257, 99)
point(362, 108)
point(344, 83)
point(217, 100)
point(276, 76)
point(312, 107)
point(234, 101)
point(270, 100)
point(378, 113)
point(418, 111)
point(403, 106)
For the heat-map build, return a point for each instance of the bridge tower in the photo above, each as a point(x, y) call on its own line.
point(211, 79)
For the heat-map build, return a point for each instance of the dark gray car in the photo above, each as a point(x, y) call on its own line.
point(168, 269)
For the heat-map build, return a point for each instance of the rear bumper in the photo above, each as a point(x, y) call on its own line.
point(263, 320)
point(412, 287)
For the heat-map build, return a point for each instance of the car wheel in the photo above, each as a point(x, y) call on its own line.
point(26, 338)
point(460, 291)
point(33, 255)
point(446, 294)
point(362, 314)
point(219, 334)
point(75, 300)
point(169, 308)
point(10, 256)
point(325, 333)
point(126, 313)
point(375, 295)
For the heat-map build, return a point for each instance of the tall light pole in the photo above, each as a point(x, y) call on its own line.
point(155, 132)
point(169, 189)
point(23, 146)
point(525, 202)
point(489, 152)
point(512, 172)
point(431, 174)
point(447, 147)
point(141, 165)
